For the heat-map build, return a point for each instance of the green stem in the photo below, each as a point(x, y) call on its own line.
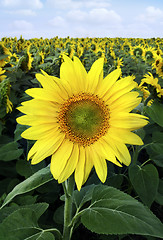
point(145, 162)
point(135, 155)
point(68, 208)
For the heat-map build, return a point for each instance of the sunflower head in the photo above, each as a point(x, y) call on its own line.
point(81, 120)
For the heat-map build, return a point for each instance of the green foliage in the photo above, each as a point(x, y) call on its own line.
point(32, 202)
point(22, 223)
point(145, 181)
point(155, 112)
point(36, 180)
point(10, 151)
point(114, 212)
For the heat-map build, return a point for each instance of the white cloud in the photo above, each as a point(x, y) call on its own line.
point(22, 25)
point(102, 15)
point(23, 4)
point(151, 15)
point(64, 4)
point(77, 15)
point(57, 21)
point(24, 12)
point(95, 16)
point(72, 4)
point(95, 4)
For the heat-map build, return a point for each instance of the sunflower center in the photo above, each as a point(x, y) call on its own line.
point(84, 118)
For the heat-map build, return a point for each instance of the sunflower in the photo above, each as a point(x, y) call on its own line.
point(5, 53)
point(149, 54)
point(118, 62)
point(81, 120)
point(2, 77)
point(137, 51)
point(149, 79)
point(157, 61)
point(159, 69)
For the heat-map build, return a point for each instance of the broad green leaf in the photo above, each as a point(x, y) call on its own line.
point(42, 236)
point(83, 196)
point(10, 151)
point(155, 112)
point(58, 216)
point(18, 131)
point(37, 179)
point(114, 212)
point(155, 149)
point(145, 181)
point(22, 224)
point(38, 208)
point(158, 160)
point(115, 180)
point(159, 196)
point(157, 136)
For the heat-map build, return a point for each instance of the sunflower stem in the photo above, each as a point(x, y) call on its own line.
point(68, 208)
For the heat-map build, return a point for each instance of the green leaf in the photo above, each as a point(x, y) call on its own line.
point(42, 236)
point(114, 212)
point(155, 112)
point(18, 131)
point(83, 196)
point(37, 179)
point(115, 180)
point(157, 136)
point(145, 181)
point(10, 151)
point(159, 196)
point(22, 224)
point(3, 56)
point(158, 160)
point(58, 216)
point(154, 149)
point(38, 208)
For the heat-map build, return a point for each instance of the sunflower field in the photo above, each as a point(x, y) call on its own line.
point(118, 199)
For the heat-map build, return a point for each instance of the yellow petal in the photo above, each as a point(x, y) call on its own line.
point(88, 165)
point(106, 151)
point(124, 136)
point(33, 120)
point(60, 158)
point(45, 94)
point(79, 171)
point(43, 148)
point(131, 121)
point(99, 163)
point(46, 81)
point(81, 73)
point(108, 82)
point(120, 150)
point(71, 164)
point(39, 107)
point(40, 131)
point(95, 74)
point(68, 75)
point(126, 102)
point(51, 82)
point(121, 87)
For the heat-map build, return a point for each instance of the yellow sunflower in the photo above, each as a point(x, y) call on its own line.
point(2, 77)
point(81, 120)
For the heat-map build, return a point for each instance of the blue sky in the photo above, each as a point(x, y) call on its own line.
point(81, 18)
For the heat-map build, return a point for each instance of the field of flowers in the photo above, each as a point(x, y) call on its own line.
point(32, 202)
